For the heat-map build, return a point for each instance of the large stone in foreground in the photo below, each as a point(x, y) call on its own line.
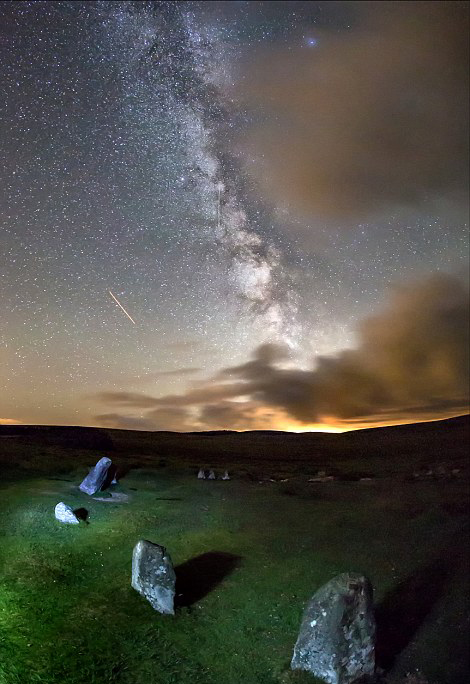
point(153, 576)
point(96, 477)
point(337, 636)
point(65, 514)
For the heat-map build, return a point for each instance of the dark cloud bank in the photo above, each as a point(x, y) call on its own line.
point(411, 362)
point(368, 120)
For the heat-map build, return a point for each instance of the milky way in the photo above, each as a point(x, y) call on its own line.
point(122, 172)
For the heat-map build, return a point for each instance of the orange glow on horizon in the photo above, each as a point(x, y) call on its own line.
point(337, 428)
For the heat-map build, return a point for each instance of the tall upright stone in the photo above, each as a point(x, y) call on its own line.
point(337, 636)
point(153, 576)
point(96, 477)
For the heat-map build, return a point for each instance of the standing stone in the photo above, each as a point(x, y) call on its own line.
point(211, 475)
point(337, 636)
point(153, 576)
point(201, 475)
point(225, 476)
point(65, 514)
point(96, 477)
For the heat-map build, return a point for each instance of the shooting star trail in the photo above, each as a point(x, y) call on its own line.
point(121, 306)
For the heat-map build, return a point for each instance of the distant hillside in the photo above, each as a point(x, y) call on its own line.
point(378, 450)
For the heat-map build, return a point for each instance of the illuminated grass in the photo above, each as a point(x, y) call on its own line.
point(69, 615)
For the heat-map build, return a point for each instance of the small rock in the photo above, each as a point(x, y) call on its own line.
point(153, 576)
point(225, 476)
point(211, 475)
point(201, 475)
point(96, 477)
point(65, 514)
point(337, 637)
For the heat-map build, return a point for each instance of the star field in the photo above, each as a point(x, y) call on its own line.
point(121, 170)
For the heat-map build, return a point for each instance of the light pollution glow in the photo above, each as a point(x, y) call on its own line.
point(175, 156)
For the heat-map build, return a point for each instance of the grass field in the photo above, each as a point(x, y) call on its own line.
point(248, 553)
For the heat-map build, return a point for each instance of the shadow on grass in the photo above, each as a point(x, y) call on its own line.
point(198, 576)
point(82, 514)
point(110, 475)
point(405, 608)
point(168, 498)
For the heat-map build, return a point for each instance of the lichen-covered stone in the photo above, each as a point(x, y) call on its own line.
point(337, 636)
point(65, 514)
point(96, 477)
point(153, 576)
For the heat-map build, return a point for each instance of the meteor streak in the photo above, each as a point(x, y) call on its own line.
point(121, 306)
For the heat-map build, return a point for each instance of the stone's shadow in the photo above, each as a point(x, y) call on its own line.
point(198, 576)
point(122, 471)
point(110, 475)
point(404, 609)
point(82, 514)
point(168, 498)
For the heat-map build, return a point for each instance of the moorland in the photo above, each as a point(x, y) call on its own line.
point(391, 502)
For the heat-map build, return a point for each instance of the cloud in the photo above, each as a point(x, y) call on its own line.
point(235, 415)
point(369, 119)
point(411, 362)
point(199, 395)
point(412, 356)
point(126, 399)
point(9, 421)
point(176, 372)
point(115, 420)
point(171, 418)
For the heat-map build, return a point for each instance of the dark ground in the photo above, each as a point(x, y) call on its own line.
point(248, 553)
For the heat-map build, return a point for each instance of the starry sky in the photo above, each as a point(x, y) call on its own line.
point(274, 192)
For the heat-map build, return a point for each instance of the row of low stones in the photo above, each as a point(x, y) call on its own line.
point(94, 481)
point(336, 641)
point(337, 636)
point(210, 475)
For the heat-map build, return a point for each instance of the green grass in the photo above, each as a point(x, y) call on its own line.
point(68, 614)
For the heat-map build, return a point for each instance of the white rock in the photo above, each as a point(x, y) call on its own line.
point(65, 514)
point(225, 476)
point(211, 475)
point(201, 475)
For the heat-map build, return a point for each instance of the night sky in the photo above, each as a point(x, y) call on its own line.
point(275, 192)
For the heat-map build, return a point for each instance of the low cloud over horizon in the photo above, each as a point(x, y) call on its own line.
point(411, 363)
